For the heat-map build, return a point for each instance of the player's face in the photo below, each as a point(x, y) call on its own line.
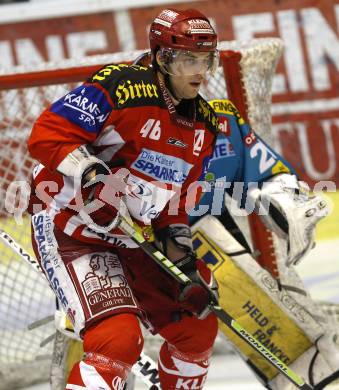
point(190, 63)
point(187, 87)
point(187, 71)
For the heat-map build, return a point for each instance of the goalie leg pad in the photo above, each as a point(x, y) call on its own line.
point(315, 365)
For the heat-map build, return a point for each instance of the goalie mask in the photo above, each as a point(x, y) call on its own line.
point(187, 42)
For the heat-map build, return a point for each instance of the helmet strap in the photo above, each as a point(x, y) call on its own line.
point(170, 88)
point(177, 119)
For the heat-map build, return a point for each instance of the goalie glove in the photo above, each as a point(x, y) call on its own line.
point(175, 241)
point(287, 209)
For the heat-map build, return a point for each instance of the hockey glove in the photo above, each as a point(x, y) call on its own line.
point(286, 207)
point(197, 297)
point(104, 189)
point(175, 241)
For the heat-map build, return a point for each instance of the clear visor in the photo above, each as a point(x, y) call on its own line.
point(188, 63)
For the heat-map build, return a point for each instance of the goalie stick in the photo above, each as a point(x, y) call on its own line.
point(145, 368)
point(128, 228)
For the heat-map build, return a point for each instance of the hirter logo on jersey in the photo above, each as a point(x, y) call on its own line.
point(87, 107)
point(128, 91)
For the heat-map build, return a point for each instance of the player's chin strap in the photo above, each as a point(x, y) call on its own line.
point(127, 226)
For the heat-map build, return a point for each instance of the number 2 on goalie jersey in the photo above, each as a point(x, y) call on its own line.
point(267, 157)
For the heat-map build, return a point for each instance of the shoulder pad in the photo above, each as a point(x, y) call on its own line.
point(107, 72)
point(129, 85)
point(226, 107)
point(205, 113)
point(112, 70)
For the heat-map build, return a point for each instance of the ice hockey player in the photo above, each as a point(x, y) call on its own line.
point(140, 132)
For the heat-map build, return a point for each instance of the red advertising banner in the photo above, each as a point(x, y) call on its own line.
point(305, 91)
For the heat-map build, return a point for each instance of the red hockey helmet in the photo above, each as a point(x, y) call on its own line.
point(183, 30)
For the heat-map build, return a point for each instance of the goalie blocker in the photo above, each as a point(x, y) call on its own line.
point(296, 330)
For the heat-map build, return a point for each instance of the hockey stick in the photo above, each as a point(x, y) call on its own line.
point(145, 368)
point(127, 227)
point(19, 250)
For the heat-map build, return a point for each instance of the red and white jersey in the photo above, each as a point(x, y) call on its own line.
point(123, 113)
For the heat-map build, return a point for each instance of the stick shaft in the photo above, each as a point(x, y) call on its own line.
point(19, 250)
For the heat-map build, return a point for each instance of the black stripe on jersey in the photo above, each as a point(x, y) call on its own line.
point(129, 85)
point(205, 113)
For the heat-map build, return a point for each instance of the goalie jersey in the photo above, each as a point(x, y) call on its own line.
point(240, 158)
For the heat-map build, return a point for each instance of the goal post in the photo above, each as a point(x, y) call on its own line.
point(245, 76)
point(248, 70)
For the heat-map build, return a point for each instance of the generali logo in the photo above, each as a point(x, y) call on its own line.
point(105, 286)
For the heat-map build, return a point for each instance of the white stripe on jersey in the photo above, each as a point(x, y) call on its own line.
point(108, 153)
point(72, 224)
point(109, 137)
point(75, 387)
point(65, 195)
point(112, 139)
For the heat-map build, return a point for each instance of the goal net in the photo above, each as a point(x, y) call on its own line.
point(244, 75)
